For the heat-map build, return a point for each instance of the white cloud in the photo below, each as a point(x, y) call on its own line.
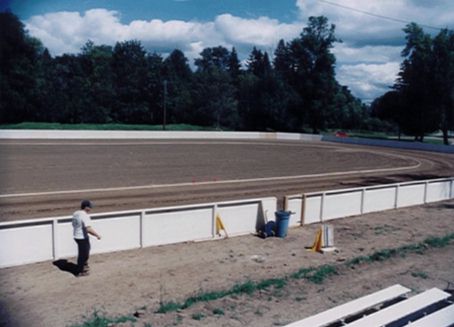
point(346, 54)
point(67, 31)
point(354, 25)
point(263, 31)
point(368, 80)
point(367, 60)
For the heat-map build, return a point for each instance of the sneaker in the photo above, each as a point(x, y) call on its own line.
point(83, 274)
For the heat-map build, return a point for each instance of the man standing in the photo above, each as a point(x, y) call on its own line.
point(81, 228)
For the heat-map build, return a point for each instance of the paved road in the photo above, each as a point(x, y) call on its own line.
point(43, 178)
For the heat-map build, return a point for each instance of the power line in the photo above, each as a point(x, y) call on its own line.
point(398, 20)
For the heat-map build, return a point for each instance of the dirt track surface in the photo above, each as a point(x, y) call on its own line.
point(45, 178)
point(122, 283)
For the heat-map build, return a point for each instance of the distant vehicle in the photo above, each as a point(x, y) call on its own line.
point(341, 134)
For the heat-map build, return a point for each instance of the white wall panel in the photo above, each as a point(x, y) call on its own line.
point(177, 226)
point(342, 205)
point(312, 209)
point(294, 205)
point(66, 246)
point(241, 219)
point(438, 191)
point(379, 199)
point(27, 244)
point(410, 195)
point(117, 233)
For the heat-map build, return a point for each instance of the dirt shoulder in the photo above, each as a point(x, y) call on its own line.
point(127, 282)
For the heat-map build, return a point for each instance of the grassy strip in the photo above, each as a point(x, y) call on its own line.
point(419, 248)
point(98, 320)
point(315, 275)
point(105, 127)
point(248, 287)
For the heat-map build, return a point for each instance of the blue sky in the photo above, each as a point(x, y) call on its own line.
point(368, 59)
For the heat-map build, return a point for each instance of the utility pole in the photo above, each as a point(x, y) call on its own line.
point(165, 106)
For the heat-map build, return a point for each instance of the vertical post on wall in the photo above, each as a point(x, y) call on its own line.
point(286, 203)
point(426, 188)
point(396, 200)
point(303, 209)
point(142, 215)
point(322, 204)
point(213, 220)
point(54, 239)
point(451, 195)
point(363, 195)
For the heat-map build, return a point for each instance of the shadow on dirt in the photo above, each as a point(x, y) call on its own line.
point(65, 265)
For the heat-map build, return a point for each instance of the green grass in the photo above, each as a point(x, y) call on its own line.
point(248, 288)
point(218, 312)
point(316, 275)
point(419, 274)
point(418, 248)
point(99, 320)
point(198, 316)
point(104, 127)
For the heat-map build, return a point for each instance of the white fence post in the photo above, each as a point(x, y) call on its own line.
point(54, 239)
point(303, 209)
point(363, 195)
point(396, 201)
point(215, 212)
point(322, 204)
point(451, 184)
point(142, 216)
point(426, 189)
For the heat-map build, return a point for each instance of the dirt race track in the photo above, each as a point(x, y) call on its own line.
point(49, 178)
point(40, 179)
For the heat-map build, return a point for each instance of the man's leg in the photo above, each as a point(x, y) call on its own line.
point(84, 250)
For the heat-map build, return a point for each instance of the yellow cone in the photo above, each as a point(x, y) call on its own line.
point(317, 247)
point(220, 226)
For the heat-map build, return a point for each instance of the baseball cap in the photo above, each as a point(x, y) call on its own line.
point(86, 203)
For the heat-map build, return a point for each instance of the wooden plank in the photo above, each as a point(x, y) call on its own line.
point(352, 307)
point(440, 318)
point(401, 309)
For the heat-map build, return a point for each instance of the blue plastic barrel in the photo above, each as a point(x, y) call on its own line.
point(282, 219)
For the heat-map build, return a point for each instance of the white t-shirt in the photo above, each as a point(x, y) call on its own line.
point(81, 220)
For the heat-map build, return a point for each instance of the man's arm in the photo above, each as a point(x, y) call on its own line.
point(90, 230)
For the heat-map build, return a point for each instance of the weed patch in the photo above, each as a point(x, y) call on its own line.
point(315, 275)
point(99, 320)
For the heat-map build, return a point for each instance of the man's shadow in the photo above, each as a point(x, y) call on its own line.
point(65, 265)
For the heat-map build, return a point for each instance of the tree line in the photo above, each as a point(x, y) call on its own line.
point(294, 90)
point(422, 99)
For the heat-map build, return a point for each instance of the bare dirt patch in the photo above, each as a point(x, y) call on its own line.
point(140, 281)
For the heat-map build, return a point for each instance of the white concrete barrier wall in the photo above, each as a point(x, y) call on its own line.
point(116, 135)
point(342, 204)
point(29, 241)
point(379, 199)
point(166, 227)
point(323, 206)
